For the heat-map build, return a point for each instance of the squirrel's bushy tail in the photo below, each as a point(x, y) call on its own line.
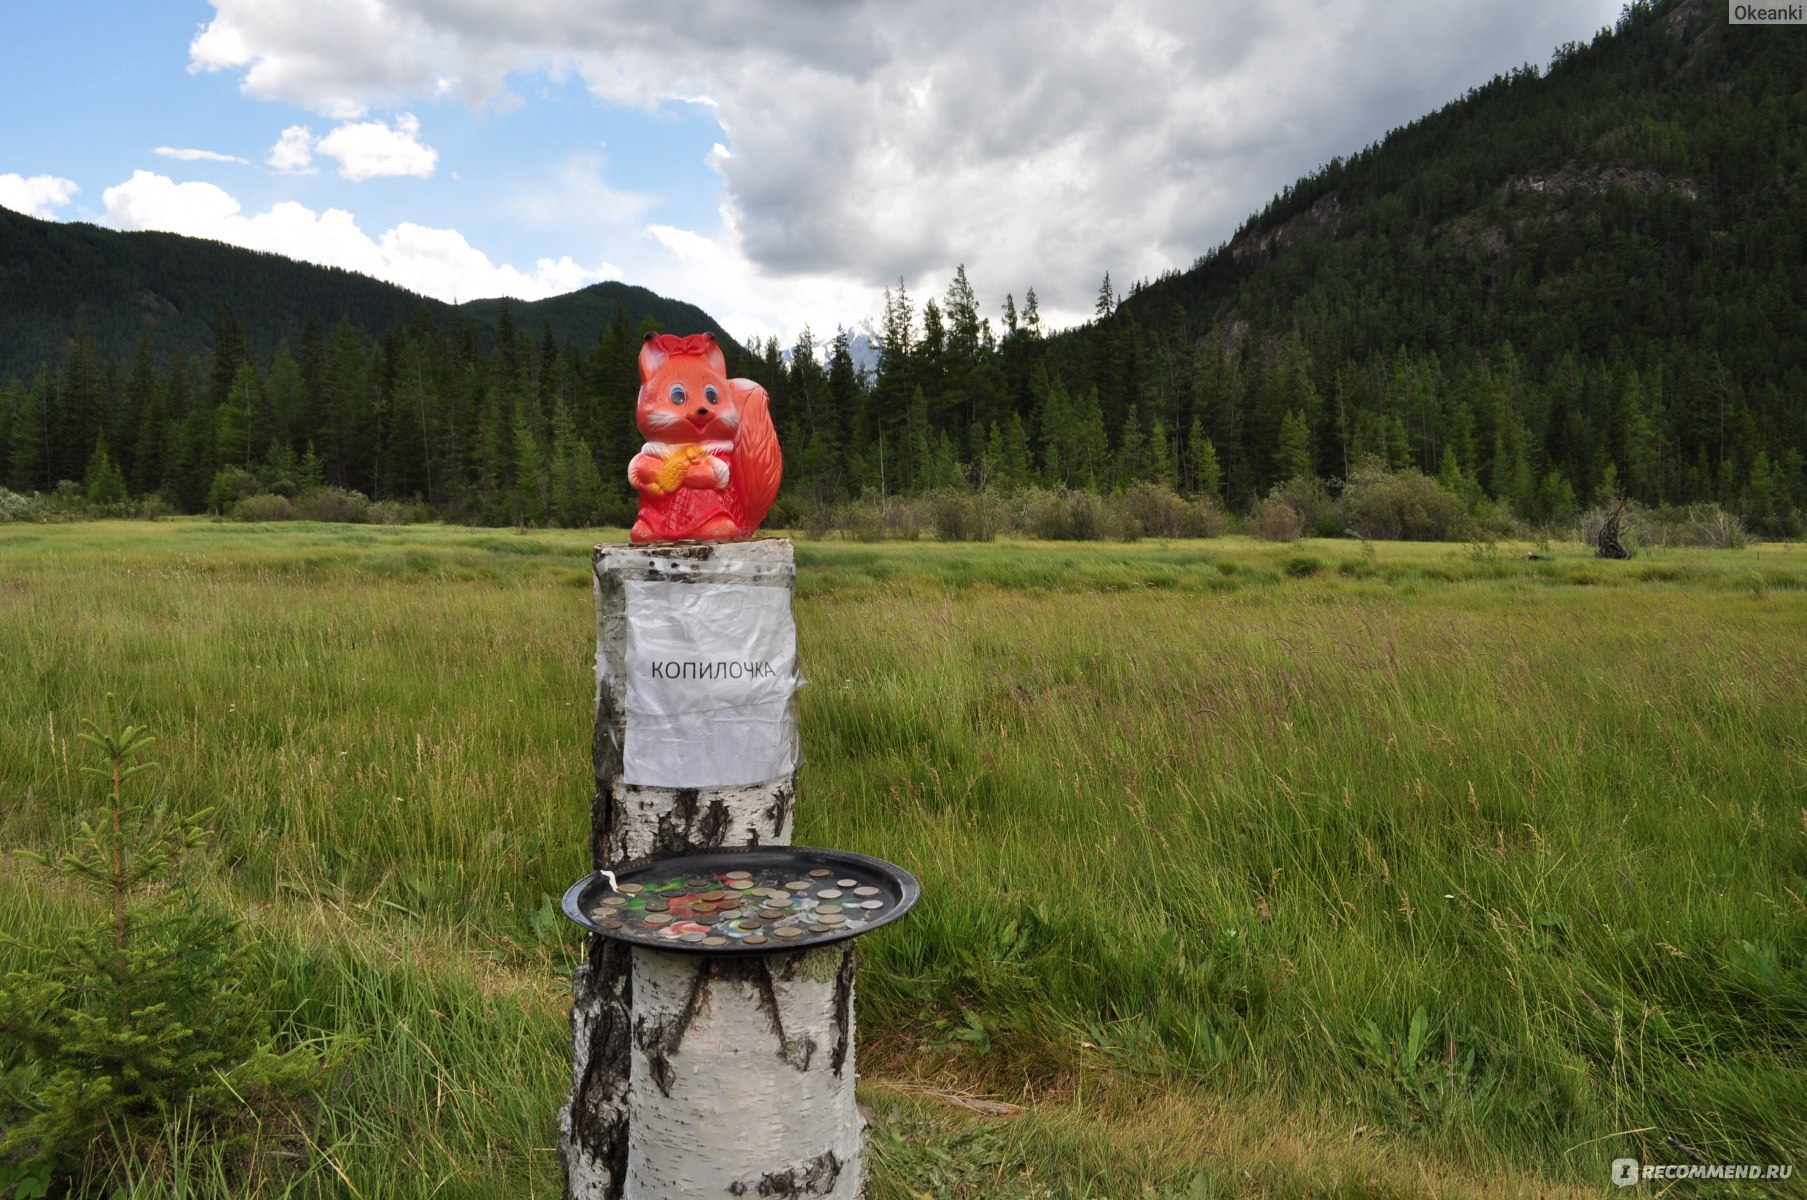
point(758, 466)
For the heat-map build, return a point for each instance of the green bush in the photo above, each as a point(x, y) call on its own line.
point(333, 504)
point(1065, 516)
point(230, 485)
point(400, 512)
point(1158, 512)
point(1405, 505)
point(14, 507)
point(962, 516)
point(263, 507)
point(1319, 513)
point(154, 508)
point(1275, 520)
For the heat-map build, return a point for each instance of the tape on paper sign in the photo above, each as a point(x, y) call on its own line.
point(711, 672)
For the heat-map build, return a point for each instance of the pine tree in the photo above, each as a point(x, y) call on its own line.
point(1760, 503)
point(996, 469)
point(1456, 481)
point(576, 485)
point(1160, 454)
point(1292, 457)
point(1054, 425)
point(29, 461)
point(106, 483)
point(1017, 459)
point(528, 498)
point(1207, 475)
point(235, 422)
point(919, 466)
point(1132, 451)
point(1090, 446)
point(78, 415)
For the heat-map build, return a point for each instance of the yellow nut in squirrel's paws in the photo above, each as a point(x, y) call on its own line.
point(671, 474)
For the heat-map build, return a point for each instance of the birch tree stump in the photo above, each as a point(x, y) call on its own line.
point(692, 1075)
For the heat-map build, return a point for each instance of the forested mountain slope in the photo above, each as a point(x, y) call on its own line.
point(171, 289)
point(1598, 266)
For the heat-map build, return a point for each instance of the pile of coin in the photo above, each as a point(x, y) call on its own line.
point(773, 907)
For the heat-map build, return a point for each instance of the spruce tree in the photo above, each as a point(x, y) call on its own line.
point(105, 481)
point(1017, 458)
point(1132, 450)
point(1292, 457)
point(29, 461)
point(1160, 454)
point(527, 499)
point(1206, 473)
point(576, 486)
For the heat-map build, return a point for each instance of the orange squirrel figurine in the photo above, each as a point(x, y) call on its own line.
point(710, 468)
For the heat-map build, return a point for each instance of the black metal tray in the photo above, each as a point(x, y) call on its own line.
point(745, 919)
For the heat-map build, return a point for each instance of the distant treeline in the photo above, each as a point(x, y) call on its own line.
point(533, 431)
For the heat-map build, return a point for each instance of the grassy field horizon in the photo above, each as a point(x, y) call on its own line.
point(1313, 869)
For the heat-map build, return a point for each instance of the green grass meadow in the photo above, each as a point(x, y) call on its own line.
point(1302, 870)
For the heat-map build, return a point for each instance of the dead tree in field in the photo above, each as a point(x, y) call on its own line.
point(1609, 543)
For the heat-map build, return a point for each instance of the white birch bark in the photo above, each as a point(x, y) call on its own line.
point(620, 1130)
point(742, 1078)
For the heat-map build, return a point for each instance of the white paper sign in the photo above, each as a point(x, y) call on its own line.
point(711, 670)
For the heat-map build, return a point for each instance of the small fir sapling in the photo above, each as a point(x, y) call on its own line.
point(142, 1024)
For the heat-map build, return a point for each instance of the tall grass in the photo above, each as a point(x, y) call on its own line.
point(1491, 864)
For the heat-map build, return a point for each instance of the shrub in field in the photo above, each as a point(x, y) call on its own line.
point(961, 516)
point(903, 518)
point(793, 512)
point(140, 1027)
point(815, 519)
point(400, 512)
point(1157, 512)
point(333, 504)
point(154, 508)
point(859, 520)
point(14, 507)
point(872, 519)
point(230, 485)
point(1712, 526)
point(1319, 513)
point(1406, 505)
point(1275, 520)
point(263, 507)
point(66, 501)
point(1065, 516)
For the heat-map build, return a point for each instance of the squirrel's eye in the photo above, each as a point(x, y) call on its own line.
point(709, 395)
point(677, 393)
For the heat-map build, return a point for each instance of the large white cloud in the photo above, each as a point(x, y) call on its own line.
point(364, 149)
point(1040, 143)
point(37, 196)
point(370, 149)
point(434, 262)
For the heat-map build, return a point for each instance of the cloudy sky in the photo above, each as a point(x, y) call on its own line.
point(777, 162)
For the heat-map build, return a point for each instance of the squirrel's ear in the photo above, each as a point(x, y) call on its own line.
point(713, 355)
point(652, 356)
